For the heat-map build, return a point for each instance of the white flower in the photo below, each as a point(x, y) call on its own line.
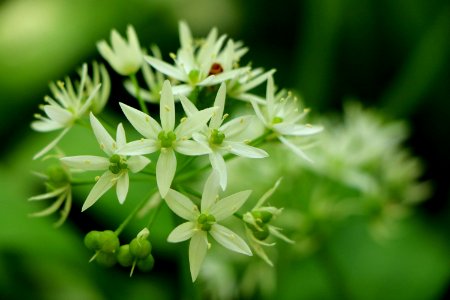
point(205, 220)
point(166, 137)
point(204, 65)
point(222, 139)
point(281, 115)
point(154, 81)
point(125, 58)
point(116, 165)
point(100, 75)
point(68, 106)
point(258, 226)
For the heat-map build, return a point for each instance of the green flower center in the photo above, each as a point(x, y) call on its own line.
point(205, 222)
point(216, 137)
point(194, 76)
point(166, 138)
point(277, 120)
point(117, 164)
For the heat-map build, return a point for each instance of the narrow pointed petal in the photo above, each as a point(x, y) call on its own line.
point(139, 147)
point(276, 232)
point(218, 164)
point(194, 123)
point(121, 139)
point(255, 81)
point(297, 130)
point(108, 54)
point(185, 35)
point(268, 194)
point(197, 252)
point(244, 150)
point(210, 191)
point(167, 107)
point(259, 113)
point(181, 205)
point(229, 239)
point(46, 125)
point(49, 195)
point(188, 106)
point(51, 209)
point(191, 148)
point(86, 162)
point(236, 126)
point(122, 186)
point(105, 182)
point(247, 97)
point(219, 102)
point(58, 114)
point(229, 205)
point(182, 232)
point(181, 90)
point(105, 140)
point(294, 148)
point(52, 144)
point(213, 80)
point(165, 170)
point(137, 163)
point(166, 68)
point(143, 123)
point(270, 91)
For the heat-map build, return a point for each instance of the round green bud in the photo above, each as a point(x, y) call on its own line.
point(146, 264)
point(108, 241)
point(105, 259)
point(261, 233)
point(91, 240)
point(140, 248)
point(57, 175)
point(124, 257)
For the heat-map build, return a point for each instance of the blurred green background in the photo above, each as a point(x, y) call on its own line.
point(391, 55)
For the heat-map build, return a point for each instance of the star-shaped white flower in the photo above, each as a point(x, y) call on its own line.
point(205, 220)
point(204, 65)
point(68, 106)
point(222, 139)
point(165, 137)
point(281, 115)
point(124, 57)
point(116, 165)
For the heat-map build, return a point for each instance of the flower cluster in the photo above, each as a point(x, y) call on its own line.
point(198, 130)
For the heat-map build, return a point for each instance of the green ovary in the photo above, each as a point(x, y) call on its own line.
point(205, 222)
point(166, 138)
point(216, 137)
point(117, 164)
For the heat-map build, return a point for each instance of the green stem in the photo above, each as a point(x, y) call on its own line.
point(132, 214)
point(138, 95)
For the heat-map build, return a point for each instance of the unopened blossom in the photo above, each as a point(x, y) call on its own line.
point(282, 116)
point(258, 227)
point(125, 57)
point(223, 139)
point(204, 220)
point(115, 166)
point(165, 137)
point(67, 106)
point(208, 64)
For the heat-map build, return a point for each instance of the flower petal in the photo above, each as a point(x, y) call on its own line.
point(49, 195)
point(267, 194)
point(123, 183)
point(194, 123)
point(181, 205)
point(167, 107)
point(197, 252)
point(229, 239)
point(121, 139)
point(137, 163)
point(105, 140)
point(143, 123)
point(58, 114)
point(86, 162)
point(166, 68)
point(51, 144)
point(294, 148)
point(182, 232)
point(165, 170)
point(191, 148)
point(219, 102)
point(236, 126)
point(229, 205)
point(218, 164)
point(139, 147)
point(105, 182)
point(210, 191)
point(188, 106)
point(245, 150)
point(297, 129)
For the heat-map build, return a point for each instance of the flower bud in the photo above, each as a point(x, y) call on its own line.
point(105, 259)
point(140, 248)
point(91, 240)
point(108, 241)
point(146, 264)
point(124, 256)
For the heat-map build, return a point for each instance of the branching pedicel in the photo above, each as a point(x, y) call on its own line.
point(193, 124)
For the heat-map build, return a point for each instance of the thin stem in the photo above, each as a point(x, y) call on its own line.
point(132, 214)
point(138, 95)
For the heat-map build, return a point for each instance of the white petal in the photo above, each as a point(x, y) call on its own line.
point(236, 126)
point(108, 54)
point(123, 183)
point(137, 163)
point(247, 97)
point(259, 113)
point(181, 205)
point(194, 123)
point(46, 125)
point(255, 81)
point(166, 68)
point(105, 182)
point(58, 114)
point(245, 150)
point(48, 195)
point(297, 130)
point(229, 205)
point(223, 76)
point(185, 35)
point(218, 164)
point(210, 191)
point(86, 162)
point(229, 239)
point(167, 107)
point(182, 232)
point(139, 147)
point(143, 123)
point(52, 144)
point(197, 252)
point(105, 140)
point(294, 148)
point(188, 106)
point(267, 194)
point(191, 148)
point(276, 232)
point(121, 139)
point(181, 89)
point(165, 170)
point(219, 102)
point(51, 209)
point(270, 91)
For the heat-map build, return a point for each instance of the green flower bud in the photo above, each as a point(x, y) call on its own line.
point(91, 240)
point(140, 248)
point(108, 241)
point(105, 259)
point(124, 256)
point(57, 175)
point(261, 233)
point(146, 264)
point(262, 215)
